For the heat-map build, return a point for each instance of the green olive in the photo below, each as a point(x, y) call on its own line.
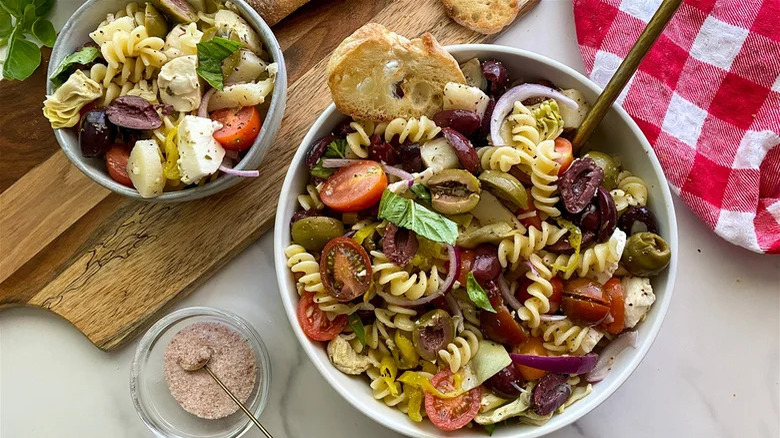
point(432, 332)
point(505, 186)
point(608, 164)
point(454, 191)
point(493, 233)
point(313, 233)
point(155, 23)
point(646, 254)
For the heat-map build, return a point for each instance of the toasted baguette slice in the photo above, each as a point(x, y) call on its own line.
point(486, 16)
point(378, 75)
point(273, 11)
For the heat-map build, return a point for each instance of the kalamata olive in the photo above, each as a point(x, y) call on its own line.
point(563, 246)
point(495, 73)
point(463, 149)
point(646, 254)
point(608, 164)
point(432, 332)
point(589, 218)
point(506, 187)
point(585, 302)
point(313, 233)
point(97, 134)
point(507, 383)
point(380, 150)
point(484, 130)
point(607, 213)
point(579, 183)
point(411, 160)
point(550, 393)
point(318, 149)
point(486, 266)
point(454, 191)
point(133, 112)
point(635, 218)
point(463, 121)
point(399, 244)
point(300, 214)
point(344, 128)
point(501, 326)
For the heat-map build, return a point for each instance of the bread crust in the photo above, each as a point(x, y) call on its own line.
point(369, 68)
point(486, 16)
point(273, 11)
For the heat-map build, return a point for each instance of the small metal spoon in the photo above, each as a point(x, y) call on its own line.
point(201, 361)
point(627, 68)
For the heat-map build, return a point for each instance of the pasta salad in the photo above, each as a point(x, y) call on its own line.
point(168, 94)
point(473, 267)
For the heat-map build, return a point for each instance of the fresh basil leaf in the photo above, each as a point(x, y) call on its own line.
point(22, 59)
point(28, 18)
point(14, 7)
point(44, 31)
point(407, 214)
point(477, 295)
point(336, 149)
point(6, 23)
point(489, 428)
point(421, 192)
point(42, 7)
point(82, 57)
point(210, 56)
point(357, 326)
point(321, 172)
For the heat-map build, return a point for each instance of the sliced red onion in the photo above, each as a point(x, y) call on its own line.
point(610, 353)
point(452, 270)
point(551, 318)
point(609, 319)
point(203, 109)
point(520, 93)
point(332, 163)
point(241, 173)
point(558, 364)
point(507, 294)
point(532, 268)
point(399, 173)
point(455, 310)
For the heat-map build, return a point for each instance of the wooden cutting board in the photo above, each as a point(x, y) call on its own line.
point(110, 265)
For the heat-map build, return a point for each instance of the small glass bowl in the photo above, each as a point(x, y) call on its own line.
point(152, 398)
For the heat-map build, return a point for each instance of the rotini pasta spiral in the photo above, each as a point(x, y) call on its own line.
point(125, 43)
point(414, 130)
point(593, 260)
point(548, 119)
point(143, 88)
point(631, 191)
point(333, 308)
point(301, 262)
point(312, 199)
point(396, 317)
point(460, 351)
point(543, 177)
point(563, 336)
point(525, 134)
point(511, 249)
point(401, 282)
point(540, 290)
point(503, 157)
point(359, 140)
point(384, 385)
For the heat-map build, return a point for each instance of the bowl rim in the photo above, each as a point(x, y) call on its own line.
point(262, 361)
point(588, 403)
point(255, 153)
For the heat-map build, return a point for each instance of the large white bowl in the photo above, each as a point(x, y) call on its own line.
point(618, 135)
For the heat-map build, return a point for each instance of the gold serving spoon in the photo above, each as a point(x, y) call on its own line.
point(627, 68)
point(205, 356)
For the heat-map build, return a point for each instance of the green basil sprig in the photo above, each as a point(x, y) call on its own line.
point(477, 295)
point(211, 53)
point(20, 20)
point(408, 214)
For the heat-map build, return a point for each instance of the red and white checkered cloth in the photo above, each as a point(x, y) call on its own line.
point(707, 96)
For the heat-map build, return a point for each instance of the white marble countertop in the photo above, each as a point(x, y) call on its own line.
point(713, 371)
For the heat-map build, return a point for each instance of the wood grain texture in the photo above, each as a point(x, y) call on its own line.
point(110, 265)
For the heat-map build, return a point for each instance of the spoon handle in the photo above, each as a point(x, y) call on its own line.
point(625, 71)
point(240, 405)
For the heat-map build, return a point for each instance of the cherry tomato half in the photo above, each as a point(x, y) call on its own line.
point(614, 289)
point(116, 163)
point(535, 347)
point(452, 413)
point(466, 262)
point(354, 187)
point(239, 127)
point(345, 269)
point(585, 302)
point(563, 147)
point(501, 326)
point(315, 322)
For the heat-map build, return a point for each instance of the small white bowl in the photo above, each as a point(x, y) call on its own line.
point(625, 140)
point(76, 32)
